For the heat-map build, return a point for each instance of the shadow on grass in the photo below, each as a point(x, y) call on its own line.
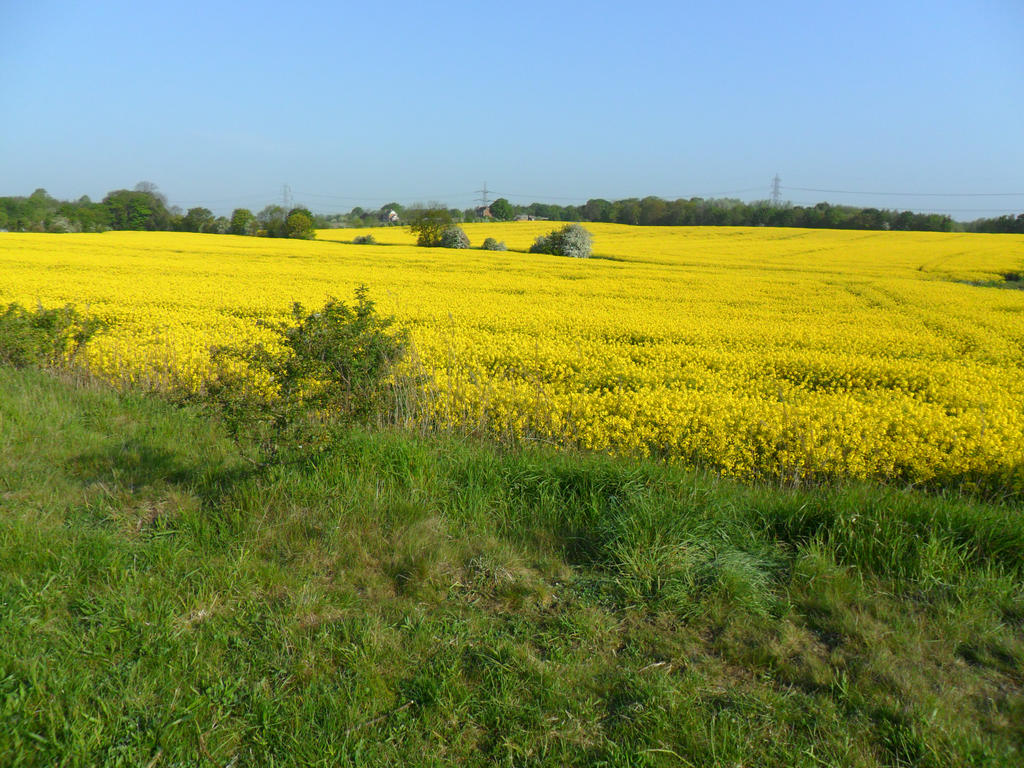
point(137, 465)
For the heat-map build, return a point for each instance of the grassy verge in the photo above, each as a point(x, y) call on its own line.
point(409, 601)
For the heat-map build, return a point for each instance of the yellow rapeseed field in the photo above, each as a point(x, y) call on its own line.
point(774, 353)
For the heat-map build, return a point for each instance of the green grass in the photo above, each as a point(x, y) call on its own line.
point(410, 600)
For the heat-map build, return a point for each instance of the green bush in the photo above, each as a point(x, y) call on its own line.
point(44, 336)
point(454, 237)
point(490, 244)
point(571, 240)
point(334, 367)
point(364, 240)
point(340, 356)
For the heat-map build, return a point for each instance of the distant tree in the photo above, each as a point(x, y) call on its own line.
point(197, 220)
point(136, 210)
point(42, 198)
point(1005, 224)
point(241, 222)
point(428, 224)
point(151, 189)
point(760, 213)
point(829, 216)
point(502, 210)
point(358, 217)
point(36, 212)
point(271, 221)
point(597, 210)
point(628, 211)
point(872, 218)
point(128, 210)
point(545, 211)
point(783, 216)
point(89, 216)
point(299, 224)
point(652, 211)
point(937, 222)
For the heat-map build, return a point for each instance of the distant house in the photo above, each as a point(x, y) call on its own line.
point(483, 212)
point(392, 217)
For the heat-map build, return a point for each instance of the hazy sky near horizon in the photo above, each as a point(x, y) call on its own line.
point(221, 104)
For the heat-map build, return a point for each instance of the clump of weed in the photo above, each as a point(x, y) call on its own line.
point(43, 337)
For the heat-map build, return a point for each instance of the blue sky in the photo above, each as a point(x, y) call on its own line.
point(220, 104)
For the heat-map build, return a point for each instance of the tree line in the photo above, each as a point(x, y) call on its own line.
point(697, 211)
point(1001, 225)
point(146, 208)
point(692, 212)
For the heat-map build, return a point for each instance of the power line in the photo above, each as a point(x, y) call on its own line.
point(975, 210)
point(339, 197)
point(537, 196)
point(726, 192)
point(220, 200)
point(534, 196)
point(908, 194)
point(368, 198)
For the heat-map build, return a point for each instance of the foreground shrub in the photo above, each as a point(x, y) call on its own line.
point(571, 240)
point(339, 356)
point(490, 244)
point(364, 240)
point(334, 365)
point(454, 237)
point(43, 336)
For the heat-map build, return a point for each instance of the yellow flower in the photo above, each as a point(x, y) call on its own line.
point(759, 352)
